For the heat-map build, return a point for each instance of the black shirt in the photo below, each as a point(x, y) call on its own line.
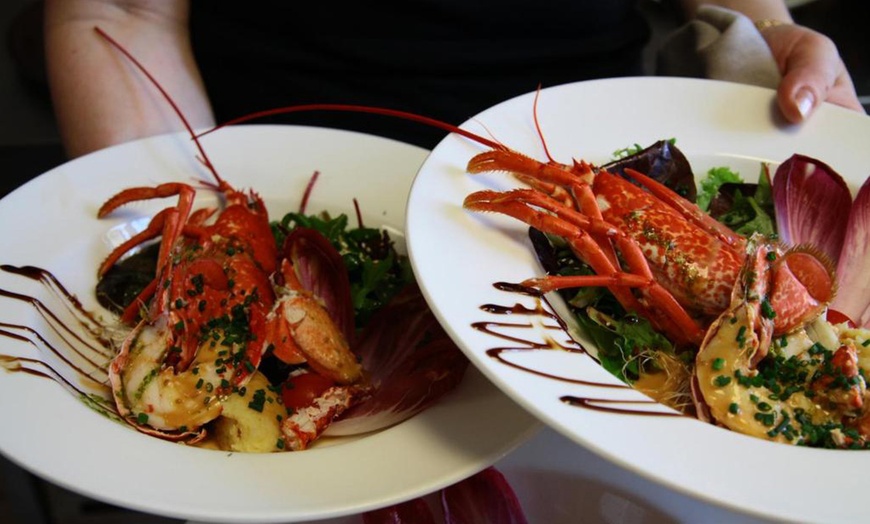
point(447, 59)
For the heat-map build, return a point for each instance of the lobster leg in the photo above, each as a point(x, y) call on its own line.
point(169, 222)
point(528, 168)
point(585, 202)
point(577, 229)
point(135, 194)
point(153, 230)
point(570, 189)
point(548, 176)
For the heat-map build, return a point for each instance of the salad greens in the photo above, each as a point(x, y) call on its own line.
point(709, 186)
point(620, 337)
point(627, 151)
point(377, 272)
point(745, 208)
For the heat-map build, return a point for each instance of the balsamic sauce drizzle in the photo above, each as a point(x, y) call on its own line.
point(84, 340)
point(79, 359)
point(502, 330)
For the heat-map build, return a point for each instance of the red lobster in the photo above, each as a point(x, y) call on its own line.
point(680, 264)
point(222, 297)
point(659, 254)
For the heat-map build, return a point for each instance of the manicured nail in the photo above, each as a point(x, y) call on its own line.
point(805, 101)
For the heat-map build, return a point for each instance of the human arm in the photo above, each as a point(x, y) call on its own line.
point(811, 67)
point(99, 98)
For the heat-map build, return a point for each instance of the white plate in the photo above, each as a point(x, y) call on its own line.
point(51, 222)
point(715, 124)
point(559, 482)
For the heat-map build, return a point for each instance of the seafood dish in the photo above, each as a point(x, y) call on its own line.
point(750, 331)
point(239, 345)
point(474, 423)
point(761, 329)
point(240, 332)
point(541, 353)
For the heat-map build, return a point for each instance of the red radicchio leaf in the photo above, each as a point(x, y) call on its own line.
point(321, 271)
point(411, 512)
point(411, 362)
point(853, 295)
point(812, 204)
point(662, 162)
point(485, 498)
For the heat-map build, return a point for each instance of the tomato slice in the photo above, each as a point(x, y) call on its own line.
point(836, 317)
point(299, 391)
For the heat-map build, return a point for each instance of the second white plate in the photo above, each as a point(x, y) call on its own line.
point(714, 123)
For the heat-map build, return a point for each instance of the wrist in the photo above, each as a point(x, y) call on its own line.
point(766, 23)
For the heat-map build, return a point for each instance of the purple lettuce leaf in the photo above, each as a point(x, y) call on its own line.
point(320, 270)
point(853, 293)
point(812, 205)
point(414, 511)
point(411, 362)
point(484, 498)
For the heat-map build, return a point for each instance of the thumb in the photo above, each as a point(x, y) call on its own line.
point(813, 73)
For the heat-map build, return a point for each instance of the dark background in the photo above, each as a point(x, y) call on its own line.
point(29, 145)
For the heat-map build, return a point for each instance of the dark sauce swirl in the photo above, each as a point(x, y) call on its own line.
point(72, 348)
point(80, 356)
point(518, 344)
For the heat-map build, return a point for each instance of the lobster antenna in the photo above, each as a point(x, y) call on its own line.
point(538, 125)
point(203, 156)
point(440, 124)
point(307, 194)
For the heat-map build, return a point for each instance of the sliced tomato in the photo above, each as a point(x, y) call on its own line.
point(300, 391)
point(835, 317)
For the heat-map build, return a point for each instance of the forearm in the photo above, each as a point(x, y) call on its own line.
point(99, 99)
point(755, 10)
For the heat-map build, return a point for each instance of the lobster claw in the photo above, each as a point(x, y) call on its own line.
point(312, 321)
point(319, 269)
point(802, 286)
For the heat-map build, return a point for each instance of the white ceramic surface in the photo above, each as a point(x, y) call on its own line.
point(51, 222)
point(559, 482)
point(715, 123)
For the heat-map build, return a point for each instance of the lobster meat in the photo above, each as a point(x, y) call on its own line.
point(811, 392)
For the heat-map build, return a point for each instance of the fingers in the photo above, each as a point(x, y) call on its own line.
point(812, 72)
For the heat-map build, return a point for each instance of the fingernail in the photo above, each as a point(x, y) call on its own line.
point(805, 101)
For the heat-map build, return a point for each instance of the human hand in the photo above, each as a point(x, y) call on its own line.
point(812, 71)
